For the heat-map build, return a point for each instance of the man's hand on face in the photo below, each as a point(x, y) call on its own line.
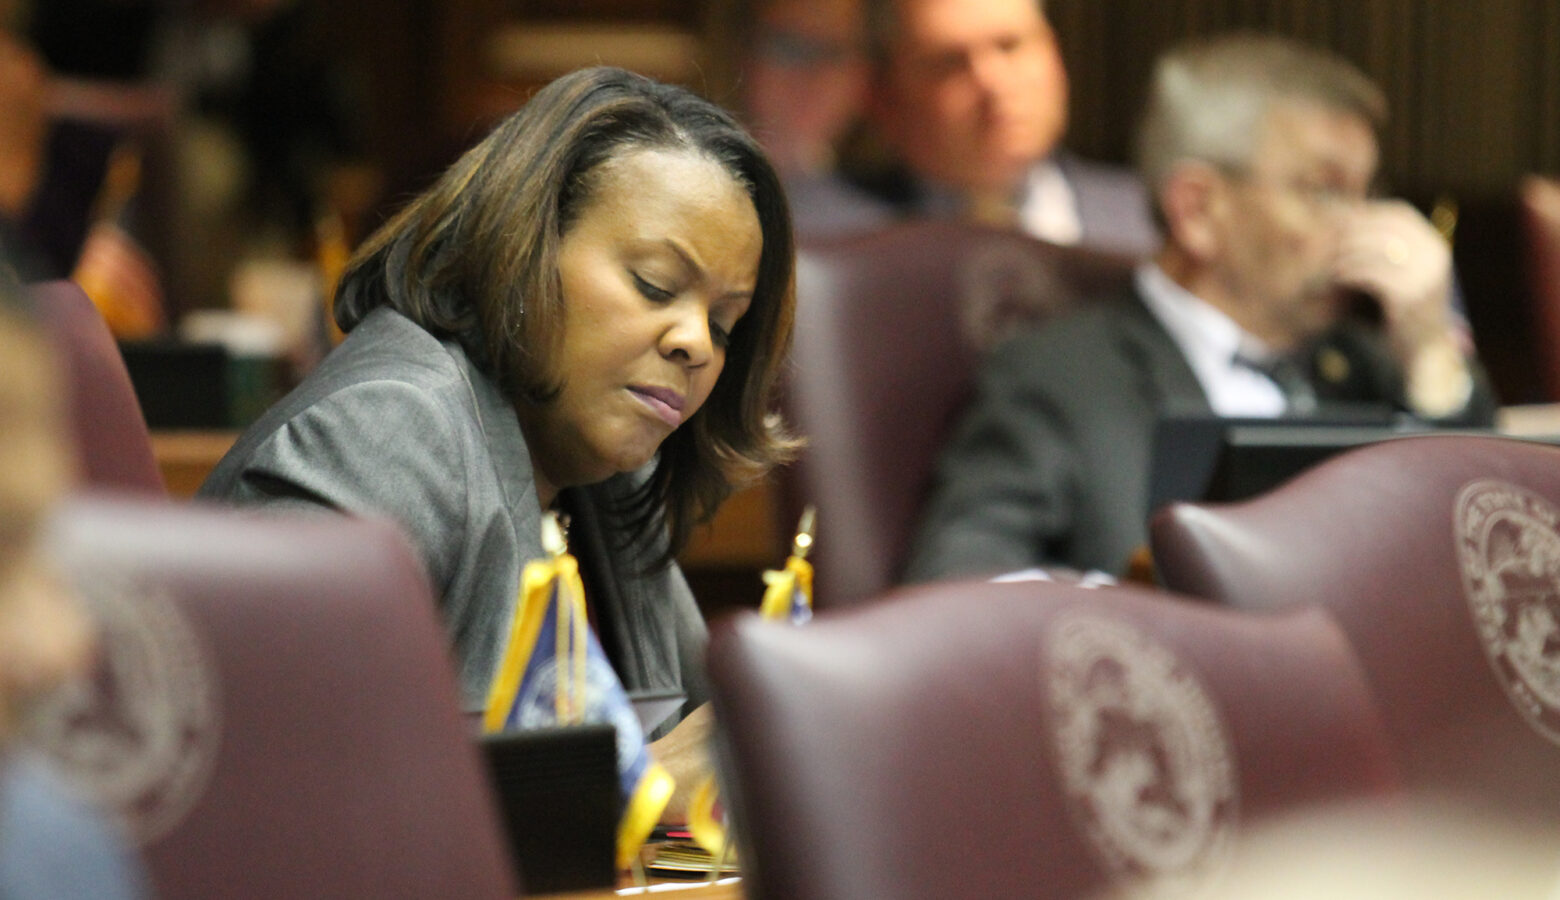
point(1392, 253)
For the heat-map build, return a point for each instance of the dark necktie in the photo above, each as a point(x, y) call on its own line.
point(1299, 394)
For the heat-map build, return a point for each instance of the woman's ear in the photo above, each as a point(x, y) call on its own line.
point(1194, 200)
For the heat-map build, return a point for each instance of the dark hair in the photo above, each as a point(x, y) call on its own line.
point(475, 258)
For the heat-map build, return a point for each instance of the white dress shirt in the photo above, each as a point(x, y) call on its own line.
point(1049, 207)
point(1211, 343)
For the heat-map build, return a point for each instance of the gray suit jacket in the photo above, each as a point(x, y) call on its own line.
point(1114, 213)
point(1050, 463)
point(396, 423)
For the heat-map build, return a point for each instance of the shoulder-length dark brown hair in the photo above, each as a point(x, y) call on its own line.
point(475, 258)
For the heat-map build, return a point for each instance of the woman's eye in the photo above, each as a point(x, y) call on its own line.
point(650, 291)
point(719, 335)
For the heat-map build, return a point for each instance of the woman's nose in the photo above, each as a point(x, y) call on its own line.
point(687, 339)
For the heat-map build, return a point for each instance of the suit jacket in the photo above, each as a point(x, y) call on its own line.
point(1113, 207)
point(397, 423)
point(1050, 463)
point(825, 206)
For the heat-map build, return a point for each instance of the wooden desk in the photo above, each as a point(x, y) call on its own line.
point(745, 533)
point(187, 457)
point(726, 889)
point(1533, 420)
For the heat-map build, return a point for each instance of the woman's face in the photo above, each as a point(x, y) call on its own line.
point(656, 270)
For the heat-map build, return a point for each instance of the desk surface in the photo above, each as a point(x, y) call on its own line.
point(725, 889)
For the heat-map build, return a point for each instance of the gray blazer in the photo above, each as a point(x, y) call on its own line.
point(396, 423)
point(1050, 463)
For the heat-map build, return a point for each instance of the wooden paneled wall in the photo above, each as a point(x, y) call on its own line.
point(1474, 86)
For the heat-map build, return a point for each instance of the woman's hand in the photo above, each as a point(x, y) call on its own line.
point(684, 753)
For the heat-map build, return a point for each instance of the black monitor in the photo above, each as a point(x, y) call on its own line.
point(557, 791)
point(1207, 458)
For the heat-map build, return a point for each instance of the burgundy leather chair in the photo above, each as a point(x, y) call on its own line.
point(1035, 740)
point(889, 328)
point(112, 441)
point(1539, 202)
point(275, 713)
point(1440, 557)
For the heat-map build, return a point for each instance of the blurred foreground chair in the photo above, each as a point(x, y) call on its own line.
point(112, 440)
point(275, 712)
point(1539, 201)
point(1440, 557)
point(889, 329)
point(1032, 740)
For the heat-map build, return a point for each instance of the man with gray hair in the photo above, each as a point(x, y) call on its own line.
point(1260, 155)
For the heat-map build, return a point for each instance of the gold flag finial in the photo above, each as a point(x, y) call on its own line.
point(804, 532)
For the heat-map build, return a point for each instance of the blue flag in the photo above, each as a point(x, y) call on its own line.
point(554, 672)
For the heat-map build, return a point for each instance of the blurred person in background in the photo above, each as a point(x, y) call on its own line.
point(23, 140)
point(1282, 287)
point(970, 98)
point(803, 83)
point(227, 119)
point(52, 844)
point(73, 159)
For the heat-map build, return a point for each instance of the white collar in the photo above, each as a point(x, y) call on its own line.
point(1210, 341)
point(1049, 208)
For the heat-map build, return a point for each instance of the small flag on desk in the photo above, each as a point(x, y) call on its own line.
point(789, 592)
point(787, 597)
point(553, 672)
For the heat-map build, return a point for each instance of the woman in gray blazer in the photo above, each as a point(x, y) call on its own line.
point(587, 312)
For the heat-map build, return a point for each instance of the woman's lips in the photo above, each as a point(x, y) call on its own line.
point(664, 402)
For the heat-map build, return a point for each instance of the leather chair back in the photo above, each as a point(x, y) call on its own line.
point(1033, 740)
point(275, 713)
point(113, 444)
point(890, 327)
point(1440, 557)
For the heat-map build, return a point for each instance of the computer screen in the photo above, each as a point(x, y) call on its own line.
point(1207, 458)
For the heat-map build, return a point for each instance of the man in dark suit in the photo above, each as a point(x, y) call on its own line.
point(1260, 154)
point(970, 97)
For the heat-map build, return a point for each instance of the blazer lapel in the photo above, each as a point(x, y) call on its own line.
point(511, 459)
point(1165, 380)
